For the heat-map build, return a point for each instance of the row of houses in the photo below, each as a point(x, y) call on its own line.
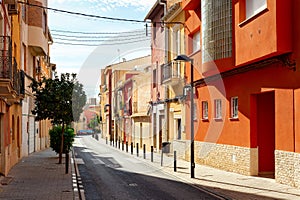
point(237, 65)
point(24, 56)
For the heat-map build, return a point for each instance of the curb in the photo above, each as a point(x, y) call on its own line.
point(76, 180)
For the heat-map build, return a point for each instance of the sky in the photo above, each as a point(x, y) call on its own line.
point(102, 42)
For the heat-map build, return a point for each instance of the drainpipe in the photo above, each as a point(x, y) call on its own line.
point(165, 31)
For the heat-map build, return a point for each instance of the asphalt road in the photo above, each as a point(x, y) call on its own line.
point(107, 173)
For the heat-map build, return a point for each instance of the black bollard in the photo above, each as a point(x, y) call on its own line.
point(137, 149)
point(126, 147)
point(152, 153)
point(144, 147)
point(175, 162)
point(131, 148)
point(67, 162)
point(122, 145)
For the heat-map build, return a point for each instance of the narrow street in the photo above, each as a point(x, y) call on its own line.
point(107, 173)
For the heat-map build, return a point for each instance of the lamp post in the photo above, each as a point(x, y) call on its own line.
point(185, 58)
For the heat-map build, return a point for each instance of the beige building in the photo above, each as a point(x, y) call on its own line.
point(116, 98)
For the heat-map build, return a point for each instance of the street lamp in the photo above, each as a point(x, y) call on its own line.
point(185, 58)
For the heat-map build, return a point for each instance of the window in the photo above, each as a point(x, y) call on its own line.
point(196, 41)
point(218, 109)
point(154, 77)
point(204, 110)
point(234, 107)
point(44, 22)
point(195, 116)
point(176, 41)
point(254, 7)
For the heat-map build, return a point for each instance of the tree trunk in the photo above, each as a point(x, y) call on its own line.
point(62, 144)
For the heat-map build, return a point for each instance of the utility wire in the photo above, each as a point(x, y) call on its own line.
point(103, 44)
point(97, 16)
point(87, 40)
point(82, 14)
point(102, 36)
point(96, 33)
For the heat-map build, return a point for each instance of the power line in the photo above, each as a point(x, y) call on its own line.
point(97, 16)
point(83, 14)
point(96, 36)
point(96, 33)
point(103, 44)
point(103, 40)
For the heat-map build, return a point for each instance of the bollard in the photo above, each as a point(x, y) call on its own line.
point(122, 145)
point(106, 140)
point(119, 143)
point(137, 149)
point(126, 147)
point(131, 148)
point(151, 153)
point(175, 164)
point(162, 157)
point(144, 147)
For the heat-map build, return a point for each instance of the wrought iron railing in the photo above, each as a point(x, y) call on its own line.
point(9, 66)
point(5, 57)
point(171, 70)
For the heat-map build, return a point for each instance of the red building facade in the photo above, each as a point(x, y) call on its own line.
point(247, 94)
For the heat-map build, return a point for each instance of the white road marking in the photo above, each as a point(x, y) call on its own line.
point(98, 162)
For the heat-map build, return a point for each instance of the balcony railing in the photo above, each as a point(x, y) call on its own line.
point(171, 72)
point(11, 78)
point(5, 57)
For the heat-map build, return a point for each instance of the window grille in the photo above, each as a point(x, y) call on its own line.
point(217, 29)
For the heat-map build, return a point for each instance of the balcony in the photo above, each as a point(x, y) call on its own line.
point(173, 75)
point(11, 79)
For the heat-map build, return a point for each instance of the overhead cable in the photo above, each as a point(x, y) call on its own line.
point(97, 16)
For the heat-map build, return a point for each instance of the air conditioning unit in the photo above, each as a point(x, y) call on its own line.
point(12, 9)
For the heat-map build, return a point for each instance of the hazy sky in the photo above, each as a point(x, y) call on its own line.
point(86, 61)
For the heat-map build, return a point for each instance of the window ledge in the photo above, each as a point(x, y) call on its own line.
point(234, 119)
point(218, 119)
point(205, 120)
point(252, 17)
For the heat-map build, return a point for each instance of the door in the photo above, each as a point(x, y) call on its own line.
point(266, 133)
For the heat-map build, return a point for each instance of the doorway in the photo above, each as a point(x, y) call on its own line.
point(265, 115)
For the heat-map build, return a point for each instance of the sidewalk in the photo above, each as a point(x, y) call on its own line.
point(226, 184)
point(36, 177)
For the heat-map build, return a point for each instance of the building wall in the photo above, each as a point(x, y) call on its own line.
point(264, 139)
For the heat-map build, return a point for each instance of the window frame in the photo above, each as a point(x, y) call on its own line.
point(218, 108)
point(254, 11)
point(196, 41)
point(204, 110)
point(234, 107)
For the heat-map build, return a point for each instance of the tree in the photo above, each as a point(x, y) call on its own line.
point(55, 138)
point(60, 100)
point(94, 122)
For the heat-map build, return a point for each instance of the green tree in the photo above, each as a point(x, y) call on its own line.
point(60, 100)
point(55, 138)
point(94, 123)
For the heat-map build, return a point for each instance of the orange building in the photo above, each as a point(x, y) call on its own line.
point(247, 88)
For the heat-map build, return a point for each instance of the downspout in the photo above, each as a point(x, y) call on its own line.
point(165, 30)
point(166, 96)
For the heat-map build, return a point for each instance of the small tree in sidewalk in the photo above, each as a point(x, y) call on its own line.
point(60, 99)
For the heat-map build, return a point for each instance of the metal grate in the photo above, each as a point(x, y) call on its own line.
point(217, 29)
